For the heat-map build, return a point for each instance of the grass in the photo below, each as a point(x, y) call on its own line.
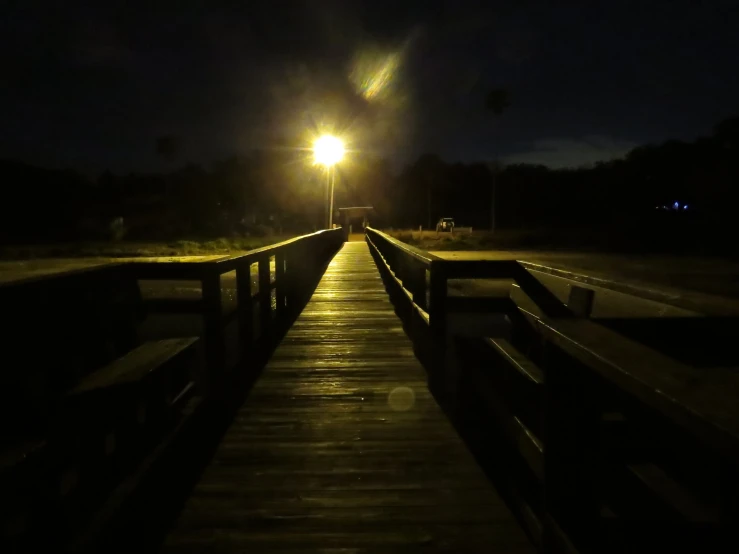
point(595, 240)
point(136, 249)
point(468, 240)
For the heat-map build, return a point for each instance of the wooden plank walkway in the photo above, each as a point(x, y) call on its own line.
point(340, 448)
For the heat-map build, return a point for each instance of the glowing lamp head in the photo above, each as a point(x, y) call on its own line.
point(328, 150)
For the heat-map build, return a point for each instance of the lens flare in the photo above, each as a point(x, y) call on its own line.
point(401, 399)
point(373, 75)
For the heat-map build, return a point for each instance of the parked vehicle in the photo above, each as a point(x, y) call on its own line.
point(445, 225)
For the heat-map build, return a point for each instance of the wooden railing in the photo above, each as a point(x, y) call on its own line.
point(599, 443)
point(424, 278)
point(90, 413)
point(284, 274)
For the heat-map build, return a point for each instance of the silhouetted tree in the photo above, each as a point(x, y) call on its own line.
point(168, 147)
point(497, 100)
point(626, 197)
point(727, 133)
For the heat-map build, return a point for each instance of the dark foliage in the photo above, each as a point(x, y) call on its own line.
point(497, 100)
point(624, 203)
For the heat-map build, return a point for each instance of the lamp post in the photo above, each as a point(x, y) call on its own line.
point(328, 151)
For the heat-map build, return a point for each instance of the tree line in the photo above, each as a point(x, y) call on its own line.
point(265, 192)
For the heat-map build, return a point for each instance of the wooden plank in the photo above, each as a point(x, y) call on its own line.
point(340, 447)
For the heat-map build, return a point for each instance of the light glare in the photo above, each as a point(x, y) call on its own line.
point(328, 150)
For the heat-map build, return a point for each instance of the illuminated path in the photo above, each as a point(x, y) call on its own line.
point(341, 448)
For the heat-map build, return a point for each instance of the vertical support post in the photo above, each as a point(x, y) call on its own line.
point(331, 202)
point(398, 267)
point(418, 277)
point(328, 186)
point(215, 347)
point(438, 347)
point(246, 309)
point(292, 278)
point(437, 299)
point(265, 298)
point(280, 282)
point(392, 255)
point(404, 272)
point(492, 201)
point(581, 301)
point(571, 423)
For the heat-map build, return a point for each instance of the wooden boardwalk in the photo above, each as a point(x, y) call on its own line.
point(340, 448)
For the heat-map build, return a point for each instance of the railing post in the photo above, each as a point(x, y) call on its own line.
point(322, 248)
point(245, 307)
point(293, 280)
point(581, 301)
point(419, 285)
point(265, 298)
point(394, 260)
point(571, 434)
point(215, 347)
point(441, 383)
point(437, 299)
point(280, 282)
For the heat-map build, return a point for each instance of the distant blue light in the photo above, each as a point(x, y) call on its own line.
point(685, 207)
point(676, 205)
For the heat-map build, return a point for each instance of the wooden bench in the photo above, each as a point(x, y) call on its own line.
point(115, 414)
point(60, 329)
point(156, 373)
point(651, 483)
point(103, 428)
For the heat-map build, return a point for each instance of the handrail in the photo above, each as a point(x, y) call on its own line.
point(99, 308)
point(223, 264)
point(194, 269)
point(701, 402)
point(45, 279)
point(606, 403)
point(416, 253)
point(697, 399)
point(441, 270)
point(297, 260)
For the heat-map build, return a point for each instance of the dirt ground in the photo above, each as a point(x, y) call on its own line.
point(709, 282)
point(705, 275)
point(16, 270)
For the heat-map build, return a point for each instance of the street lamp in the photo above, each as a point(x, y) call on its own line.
point(328, 151)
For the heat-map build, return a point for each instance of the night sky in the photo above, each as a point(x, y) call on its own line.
point(93, 87)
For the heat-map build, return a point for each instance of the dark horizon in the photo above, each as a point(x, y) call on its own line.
point(93, 88)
